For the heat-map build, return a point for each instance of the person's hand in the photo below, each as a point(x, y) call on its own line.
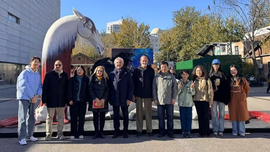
point(102, 101)
point(179, 84)
point(192, 85)
point(45, 104)
point(71, 102)
point(87, 103)
point(173, 101)
point(156, 102)
point(133, 99)
point(128, 102)
point(34, 99)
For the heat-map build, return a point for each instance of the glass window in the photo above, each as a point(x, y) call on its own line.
point(13, 18)
point(236, 50)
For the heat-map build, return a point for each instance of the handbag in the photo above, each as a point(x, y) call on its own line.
point(41, 113)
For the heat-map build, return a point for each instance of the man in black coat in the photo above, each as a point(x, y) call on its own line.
point(54, 96)
point(143, 79)
point(121, 94)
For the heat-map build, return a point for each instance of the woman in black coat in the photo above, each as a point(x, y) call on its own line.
point(99, 93)
point(78, 97)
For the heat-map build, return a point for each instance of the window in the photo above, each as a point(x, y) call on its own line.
point(222, 48)
point(236, 50)
point(79, 58)
point(13, 18)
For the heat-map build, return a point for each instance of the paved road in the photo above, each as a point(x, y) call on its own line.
point(251, 143)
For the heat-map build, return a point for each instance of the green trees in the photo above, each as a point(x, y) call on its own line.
point(192, 30)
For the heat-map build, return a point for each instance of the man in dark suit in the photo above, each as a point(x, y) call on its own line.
point(121, 93)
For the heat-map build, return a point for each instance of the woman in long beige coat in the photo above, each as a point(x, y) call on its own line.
point(238, 105)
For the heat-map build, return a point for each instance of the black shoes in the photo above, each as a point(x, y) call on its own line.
point(115, 135)
point(96, 136)
point(101, 136)
point(125, 135)
point(171, 135)
point(139, 134)
point(161, 135)
point(150, 134)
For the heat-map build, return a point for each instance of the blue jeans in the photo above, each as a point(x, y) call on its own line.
point(161, 118)
point(26, 119)
point(238, 127)
point(218, 120)
point(185, 118)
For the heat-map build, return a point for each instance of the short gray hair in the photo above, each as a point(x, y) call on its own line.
point(119, 58)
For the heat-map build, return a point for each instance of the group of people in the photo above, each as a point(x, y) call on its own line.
point(119, 88)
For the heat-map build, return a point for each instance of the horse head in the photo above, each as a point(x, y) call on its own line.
point(87, 29)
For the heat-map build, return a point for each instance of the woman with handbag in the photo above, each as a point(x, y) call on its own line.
point(99, 94)
point(78, 97)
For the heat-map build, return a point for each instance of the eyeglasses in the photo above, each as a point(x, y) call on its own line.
point(58, 65)
point(100, 71)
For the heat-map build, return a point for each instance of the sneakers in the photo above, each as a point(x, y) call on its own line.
point(125, 135)
point(220, 133)
point(71, 137)
point(243, 135)
point(234, 134)
point(32, 138)
point(81, 137)
point(215, 133)
point(22, 142)
point(115, 135)
point(95, 136)
point(61, 137)
point(161, 135)
point(48, 138)
point(171, 135)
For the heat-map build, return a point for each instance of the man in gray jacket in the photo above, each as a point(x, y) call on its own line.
point(164, 95)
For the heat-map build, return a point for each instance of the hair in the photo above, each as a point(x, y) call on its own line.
point(75, 71)
point(184, 71)
point(119, 58)
point(204, 72)
point(35, 58)
point(71, 66)
point(238, 75)
point(164, 62)
point(105, 75)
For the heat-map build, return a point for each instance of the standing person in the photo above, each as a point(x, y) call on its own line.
point(268, 79)
point(238, 105)
point(29, 88)
point(121, 94)
point(78, 96)
point(143, 80)
point(203, 98)
point(185, 103)
point(99, 92)
point(222, 94)
point(54, 96)
point(164, 96)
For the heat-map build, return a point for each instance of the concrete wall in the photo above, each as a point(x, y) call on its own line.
point(20, 41)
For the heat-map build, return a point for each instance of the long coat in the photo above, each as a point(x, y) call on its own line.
point(55, 89)
point(98, 89)
point(238, 105)
point(121, 89)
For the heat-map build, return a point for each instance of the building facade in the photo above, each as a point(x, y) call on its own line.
point(23, 26)
point(85, 61)
point(113, 26)
point(154, 40)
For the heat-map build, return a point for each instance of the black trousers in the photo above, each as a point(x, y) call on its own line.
point(101, 117)
point(202, 108)
point(268, 88)
point(116, 118)
point(77, 110)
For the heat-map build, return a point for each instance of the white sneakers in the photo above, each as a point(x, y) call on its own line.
point(32, 138)
point(22, 142)
point(71, 137)
point(81, 137)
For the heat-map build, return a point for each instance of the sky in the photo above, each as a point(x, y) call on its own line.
point(155, 13)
